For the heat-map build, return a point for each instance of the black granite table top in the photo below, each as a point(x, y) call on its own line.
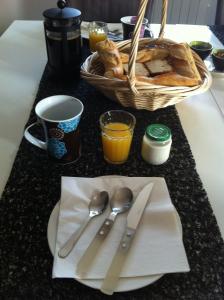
point(33, 189)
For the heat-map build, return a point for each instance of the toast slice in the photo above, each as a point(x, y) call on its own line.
point(140, 69)
point(158, 66)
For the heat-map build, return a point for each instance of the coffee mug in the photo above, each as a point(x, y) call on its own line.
point(128, 24)
point(59, 115)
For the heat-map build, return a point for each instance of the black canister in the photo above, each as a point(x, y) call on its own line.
point(63, 39)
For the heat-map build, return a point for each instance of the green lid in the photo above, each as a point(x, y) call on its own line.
point(158, 132)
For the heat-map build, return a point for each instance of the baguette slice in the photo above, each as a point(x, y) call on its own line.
point(140, 69)
point(110, 57)
point(124, 57)
point(169, 79)
point(146, 55)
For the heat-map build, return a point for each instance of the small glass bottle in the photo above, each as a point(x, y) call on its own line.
point(156, 144)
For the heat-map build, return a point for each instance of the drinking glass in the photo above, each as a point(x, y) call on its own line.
point(97, 32)
point(117, 127)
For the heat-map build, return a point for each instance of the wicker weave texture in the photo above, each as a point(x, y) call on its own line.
point(139, 95)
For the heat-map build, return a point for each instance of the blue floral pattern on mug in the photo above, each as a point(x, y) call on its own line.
point(56, 148)
point(69, 126)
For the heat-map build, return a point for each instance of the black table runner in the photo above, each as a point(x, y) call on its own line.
point(33, 189)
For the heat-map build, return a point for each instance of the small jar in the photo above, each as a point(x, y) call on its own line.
point(156, 144)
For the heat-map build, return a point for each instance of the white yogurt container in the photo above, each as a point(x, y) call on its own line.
point(156, 144)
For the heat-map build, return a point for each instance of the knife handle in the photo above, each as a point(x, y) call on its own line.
point(110, 281)
point(90, 253)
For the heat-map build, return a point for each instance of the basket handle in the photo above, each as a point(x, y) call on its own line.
point(135, 39)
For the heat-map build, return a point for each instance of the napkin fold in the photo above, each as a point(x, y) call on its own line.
point(157, 247)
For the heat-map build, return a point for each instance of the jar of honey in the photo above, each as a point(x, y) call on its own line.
point(156, 144)
point(97, 32)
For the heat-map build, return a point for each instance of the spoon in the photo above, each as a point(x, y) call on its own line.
point(120, 202)
point(97, 205)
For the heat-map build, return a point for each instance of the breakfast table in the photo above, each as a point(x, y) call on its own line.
point(30, 184)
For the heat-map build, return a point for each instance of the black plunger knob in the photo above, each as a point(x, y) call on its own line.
point(61, 4)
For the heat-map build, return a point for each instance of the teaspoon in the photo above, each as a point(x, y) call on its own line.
point(120, 202)
point(97, 205)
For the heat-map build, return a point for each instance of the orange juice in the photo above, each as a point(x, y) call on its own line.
point(116, 139)
point(94, 38)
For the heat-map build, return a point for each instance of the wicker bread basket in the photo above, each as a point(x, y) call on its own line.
point(140, 95)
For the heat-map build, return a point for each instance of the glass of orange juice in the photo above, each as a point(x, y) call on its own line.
point(97, 32)
point(117, 127)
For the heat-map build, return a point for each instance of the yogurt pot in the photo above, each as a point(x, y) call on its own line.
point(156, 144)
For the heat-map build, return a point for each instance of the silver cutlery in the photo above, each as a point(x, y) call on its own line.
point(97, 205)
point(114, 32)
point(134, 216)
point(120, 202)
point(111, 32)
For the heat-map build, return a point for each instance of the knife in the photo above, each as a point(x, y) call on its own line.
point(133, 219)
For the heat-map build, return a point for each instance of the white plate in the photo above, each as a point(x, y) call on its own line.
point(124, 284)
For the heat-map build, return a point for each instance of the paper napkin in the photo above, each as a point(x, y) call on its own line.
point(157, 247)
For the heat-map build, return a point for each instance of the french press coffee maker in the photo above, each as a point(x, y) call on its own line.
point(63, 39)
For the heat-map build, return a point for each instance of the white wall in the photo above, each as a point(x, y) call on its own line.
point(11, 10)
point(180, 11)
point(33, 9)
point(220, 13)
point(201, 12)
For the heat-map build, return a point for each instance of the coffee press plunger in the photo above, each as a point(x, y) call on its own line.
point(63, 39)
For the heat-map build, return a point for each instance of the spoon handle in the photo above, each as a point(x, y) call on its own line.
point(69, 245)
point(90, 253)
